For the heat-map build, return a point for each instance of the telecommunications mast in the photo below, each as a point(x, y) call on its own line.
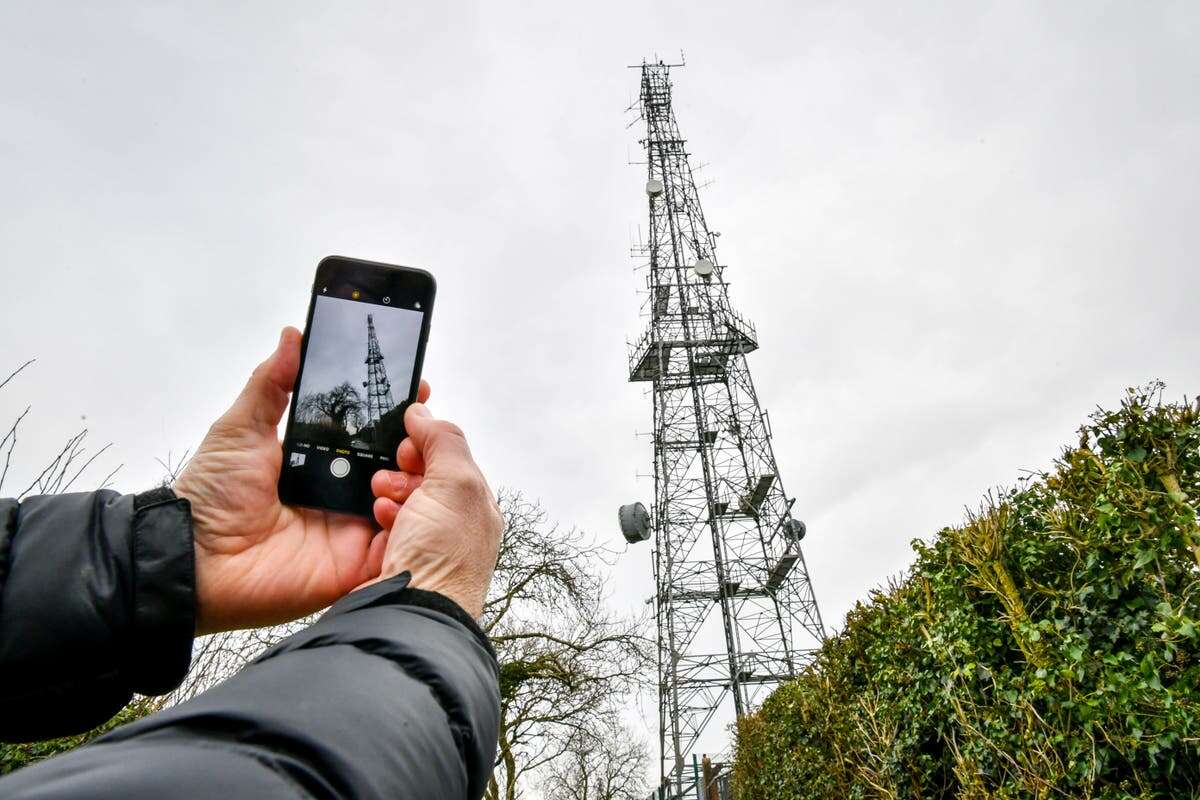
point(735, 610)
point(379, 390)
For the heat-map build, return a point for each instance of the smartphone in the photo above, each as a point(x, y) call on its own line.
point(360, 366)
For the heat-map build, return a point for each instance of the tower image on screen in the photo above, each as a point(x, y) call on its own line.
point(345, 400)
point(379, 391)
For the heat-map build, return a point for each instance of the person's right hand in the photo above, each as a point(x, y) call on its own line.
point(439, 516)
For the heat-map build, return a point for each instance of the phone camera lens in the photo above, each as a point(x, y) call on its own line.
point(387, 300)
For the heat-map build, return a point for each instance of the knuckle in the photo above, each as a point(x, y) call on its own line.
point(221, 428)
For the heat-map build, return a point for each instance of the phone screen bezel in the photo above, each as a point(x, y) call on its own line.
point(338, 276)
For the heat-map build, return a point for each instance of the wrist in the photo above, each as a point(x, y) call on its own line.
point(462, 598)
point(445, 581)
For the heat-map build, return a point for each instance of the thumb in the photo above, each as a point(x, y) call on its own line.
point(262, 403)
point(442, 445)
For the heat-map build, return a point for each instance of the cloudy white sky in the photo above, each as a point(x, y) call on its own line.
point(958, 228)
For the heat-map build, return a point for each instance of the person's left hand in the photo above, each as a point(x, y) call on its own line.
point(259, 562)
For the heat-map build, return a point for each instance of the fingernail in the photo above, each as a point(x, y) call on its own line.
point(420, 410)
point(399, 482)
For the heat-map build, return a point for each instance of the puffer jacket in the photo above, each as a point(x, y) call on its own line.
point(392, 693)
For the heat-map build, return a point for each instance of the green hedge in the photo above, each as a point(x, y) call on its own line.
point(1046, 648)
point(15, 756)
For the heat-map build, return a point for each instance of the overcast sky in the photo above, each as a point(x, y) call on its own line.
point(958, 228)
point(337, 351)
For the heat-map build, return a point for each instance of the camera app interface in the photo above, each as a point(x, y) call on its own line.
point(349, 409)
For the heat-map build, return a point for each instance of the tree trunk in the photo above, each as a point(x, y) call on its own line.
point(510, 763)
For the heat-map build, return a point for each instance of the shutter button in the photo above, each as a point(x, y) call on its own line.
point(340, 467)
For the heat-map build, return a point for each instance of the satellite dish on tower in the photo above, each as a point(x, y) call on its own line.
point(635, 522)
point(704, 267)
point(654, 187)
point(794, 530)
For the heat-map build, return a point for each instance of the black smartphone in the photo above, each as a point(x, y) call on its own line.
point(360, 367)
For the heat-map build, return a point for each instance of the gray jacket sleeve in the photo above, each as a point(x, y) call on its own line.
point(393, 693)
point(96, 603)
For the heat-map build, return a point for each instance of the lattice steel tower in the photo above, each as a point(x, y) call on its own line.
point(725, 541)
point(379, 391)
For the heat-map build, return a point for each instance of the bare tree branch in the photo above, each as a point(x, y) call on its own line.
point(172, 468)
point(45, 481)
point(10, 439)
point(87, 464)
point(16, 372)
point(107, 482)
point(601, 764)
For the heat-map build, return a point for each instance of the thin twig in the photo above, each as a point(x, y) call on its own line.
point(87, 464)
point(108, 478)
point(67, 449)
point(8, 453)
point(15, 372)
point(171, 468)
point(55, 482)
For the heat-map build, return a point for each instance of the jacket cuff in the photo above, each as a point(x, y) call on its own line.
point(439, 602)
point(164, 592)
point(396, 591)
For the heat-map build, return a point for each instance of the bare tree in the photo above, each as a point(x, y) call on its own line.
point(341, 405)
point(564, 656)
point(608, 764)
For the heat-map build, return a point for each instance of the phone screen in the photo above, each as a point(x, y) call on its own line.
point(363, 349)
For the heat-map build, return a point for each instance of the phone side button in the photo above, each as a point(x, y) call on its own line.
point(340, 467)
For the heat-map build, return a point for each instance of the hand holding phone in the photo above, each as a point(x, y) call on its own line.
point(360, 369)
point(259, 562)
